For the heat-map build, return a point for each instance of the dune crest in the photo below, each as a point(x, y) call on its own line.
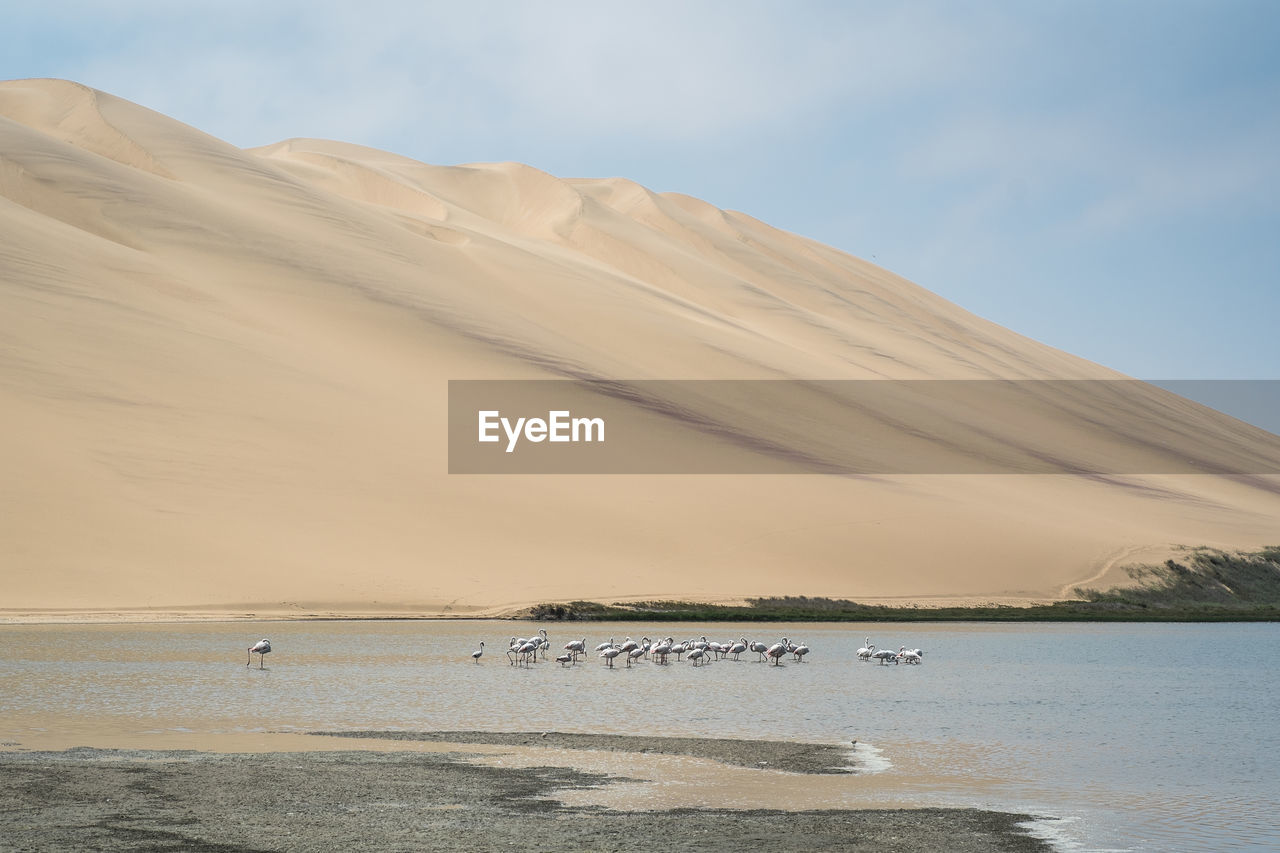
point(224, 377)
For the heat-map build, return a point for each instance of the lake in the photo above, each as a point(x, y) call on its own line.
point(1132, 737)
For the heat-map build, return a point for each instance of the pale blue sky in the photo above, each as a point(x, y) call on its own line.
point(1101, 176)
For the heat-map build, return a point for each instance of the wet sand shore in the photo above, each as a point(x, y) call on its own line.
point(773, 754)
point(116, 800)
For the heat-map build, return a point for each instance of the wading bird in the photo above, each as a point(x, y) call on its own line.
point(528, 653)
point(908, 656)
point(476, 654)
point(262, 648)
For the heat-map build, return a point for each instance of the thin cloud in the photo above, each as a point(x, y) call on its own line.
point(981, 149)
point(654, 71)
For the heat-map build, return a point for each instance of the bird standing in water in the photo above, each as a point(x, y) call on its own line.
point(261, 648)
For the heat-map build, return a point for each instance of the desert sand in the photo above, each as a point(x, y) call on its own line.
point(224, 372)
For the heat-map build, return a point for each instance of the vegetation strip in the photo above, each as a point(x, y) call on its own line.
point(1207, 586)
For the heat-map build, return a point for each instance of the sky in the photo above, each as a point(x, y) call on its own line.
point(1100, 176)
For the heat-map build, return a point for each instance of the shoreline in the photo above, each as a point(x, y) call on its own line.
point(1069, 610)
point(120, 799)
point(348, 613)
point(1208, 585)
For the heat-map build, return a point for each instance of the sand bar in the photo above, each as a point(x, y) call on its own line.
point(324, 800)
point(775, 754)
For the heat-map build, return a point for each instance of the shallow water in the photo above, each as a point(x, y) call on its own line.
point(1135, 737)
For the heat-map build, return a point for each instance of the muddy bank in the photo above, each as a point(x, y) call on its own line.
point(771, 754)
point(322, 801)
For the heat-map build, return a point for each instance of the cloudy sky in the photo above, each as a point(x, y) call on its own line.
point(1101, 176)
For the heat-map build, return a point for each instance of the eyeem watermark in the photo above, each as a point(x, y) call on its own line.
point(1091, 428)
point(559, 426)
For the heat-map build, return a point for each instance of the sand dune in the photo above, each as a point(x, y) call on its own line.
point(223, 375)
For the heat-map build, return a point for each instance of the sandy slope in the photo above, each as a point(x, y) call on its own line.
point(223, 377)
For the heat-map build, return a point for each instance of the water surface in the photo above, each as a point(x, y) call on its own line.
point(1136, 737)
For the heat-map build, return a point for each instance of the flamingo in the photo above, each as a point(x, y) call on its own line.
point(867, 651)
point(566, 658)
point(576, 647)
point(528, 650)
point(886, 655)
point(738, 648)
point(475, 656)
point(759, 648)
point(800, 651)
point(262, 648)
point(696, 655)
point(609, 654)
point(604, 646)
point(511, 649)
point(777, 650)
point(635, 649)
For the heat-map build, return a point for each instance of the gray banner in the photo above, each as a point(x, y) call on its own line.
point(853, 427)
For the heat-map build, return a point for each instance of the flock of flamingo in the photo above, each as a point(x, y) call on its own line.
point(523, 651)
point(903, 655)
